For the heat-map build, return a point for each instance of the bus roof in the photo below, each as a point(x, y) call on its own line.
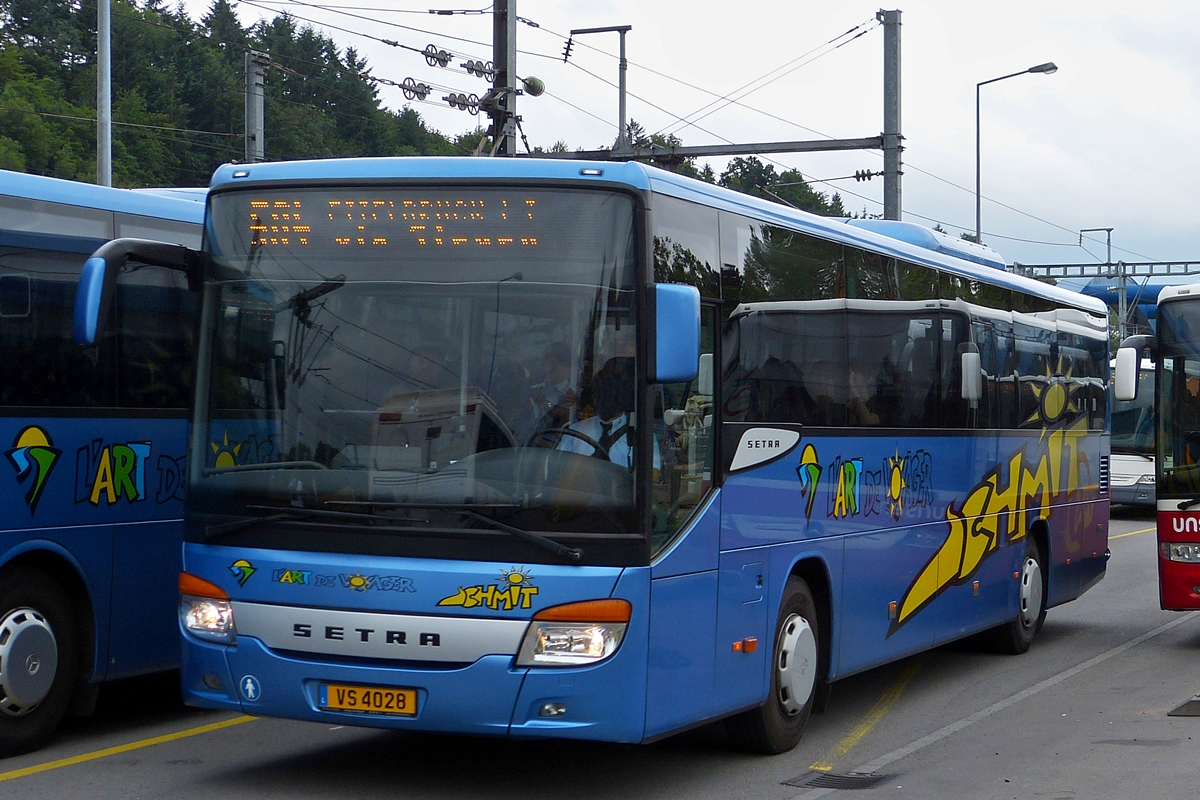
point(647, 178)
point(1184, 290)
point(181, 205)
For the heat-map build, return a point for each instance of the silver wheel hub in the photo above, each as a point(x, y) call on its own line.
point(28, 661)
point(1031, 592)
point(796, 664)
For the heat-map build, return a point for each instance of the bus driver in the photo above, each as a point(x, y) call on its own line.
point(612, 426)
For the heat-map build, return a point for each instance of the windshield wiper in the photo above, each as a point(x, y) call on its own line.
point(289, 515)
point(264, 467)
point(573, 554)
point(1186, 504)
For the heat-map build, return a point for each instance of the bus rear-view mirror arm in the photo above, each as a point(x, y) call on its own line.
point(1129, 361)
point(93, 297)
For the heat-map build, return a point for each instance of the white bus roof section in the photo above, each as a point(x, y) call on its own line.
point(1175, 292)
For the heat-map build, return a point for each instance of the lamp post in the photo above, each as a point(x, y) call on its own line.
point(1049, 68)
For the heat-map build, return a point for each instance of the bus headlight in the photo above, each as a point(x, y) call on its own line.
point(575, 634)
point(209, 619)
point(205, 610)
point(1146, 479)
point(1186, 552)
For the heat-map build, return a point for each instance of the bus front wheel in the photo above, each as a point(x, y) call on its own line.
point(1015, 637)
point(38, 658)
point(777, 725)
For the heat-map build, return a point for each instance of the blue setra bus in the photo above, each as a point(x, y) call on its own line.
point(543, 448)
point(94, 445)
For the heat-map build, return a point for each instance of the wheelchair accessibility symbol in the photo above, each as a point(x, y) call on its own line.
point(251, 690)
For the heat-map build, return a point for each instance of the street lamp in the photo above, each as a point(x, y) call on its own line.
point(1049, 68)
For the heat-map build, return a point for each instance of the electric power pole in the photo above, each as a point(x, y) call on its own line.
point(501, 102)
point(256, 72)
point(892, 140)
point(103, 93)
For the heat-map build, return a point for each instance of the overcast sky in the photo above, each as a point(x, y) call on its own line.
point(1107, 141)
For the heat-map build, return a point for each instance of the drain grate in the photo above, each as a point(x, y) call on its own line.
point(831, 780)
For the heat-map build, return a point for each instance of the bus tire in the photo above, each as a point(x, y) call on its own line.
point(39, 658)
point(1015, 637)
point(778, 724)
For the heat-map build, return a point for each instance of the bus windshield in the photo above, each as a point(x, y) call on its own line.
point(416, 361)
point(1178, 382)
point(1133, 420)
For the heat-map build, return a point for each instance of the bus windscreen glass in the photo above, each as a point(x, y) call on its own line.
point(380, 361)
point(1178, 433)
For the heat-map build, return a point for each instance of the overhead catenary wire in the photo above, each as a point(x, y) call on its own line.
point(275, 57)
point(679, 121)
point(765, 80)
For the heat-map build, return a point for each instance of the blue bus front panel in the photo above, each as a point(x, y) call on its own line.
point(279, 662)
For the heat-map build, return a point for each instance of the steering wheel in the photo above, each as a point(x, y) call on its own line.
point(546, 432)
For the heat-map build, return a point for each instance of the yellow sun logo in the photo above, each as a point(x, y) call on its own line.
point(359, 583)
point(515, 577)
point(895, 485)
point(223, 454)
point(1054, 396)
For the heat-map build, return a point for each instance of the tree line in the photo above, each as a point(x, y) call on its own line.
point(178, 102)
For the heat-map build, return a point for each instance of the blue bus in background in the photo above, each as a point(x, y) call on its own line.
point(91, 482)
point(596, 451)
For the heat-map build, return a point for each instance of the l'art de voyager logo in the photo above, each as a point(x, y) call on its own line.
point(33, 455)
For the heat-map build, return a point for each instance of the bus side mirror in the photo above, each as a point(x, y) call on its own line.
point(1125, 379)
point(704, 380)
point(972, 377)
point(93, 296)
point(676, 333)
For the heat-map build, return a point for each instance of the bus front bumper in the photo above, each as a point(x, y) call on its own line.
point(603, 702)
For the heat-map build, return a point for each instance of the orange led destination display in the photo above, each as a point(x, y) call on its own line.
point(348, 221)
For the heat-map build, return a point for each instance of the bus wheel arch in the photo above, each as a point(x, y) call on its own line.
point(814, 573)
point(1015, 636)
point(69, 577)
point(1039, 535)
point(798, 671)
point(41, 648)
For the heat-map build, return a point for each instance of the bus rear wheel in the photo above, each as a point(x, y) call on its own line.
point(38, 658)
point(1015, 637)
point(777, 725)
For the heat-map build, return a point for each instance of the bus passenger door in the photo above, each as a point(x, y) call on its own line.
point(137, 471)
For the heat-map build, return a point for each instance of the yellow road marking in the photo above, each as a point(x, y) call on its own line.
point(123, 748)
point(881, 707)
point(1131, 533)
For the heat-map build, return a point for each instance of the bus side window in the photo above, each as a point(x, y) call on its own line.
point(44, 368)
point(154, 322)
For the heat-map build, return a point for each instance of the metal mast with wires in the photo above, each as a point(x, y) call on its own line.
point(501, 102)
point(892, 140)
point(889, 141)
